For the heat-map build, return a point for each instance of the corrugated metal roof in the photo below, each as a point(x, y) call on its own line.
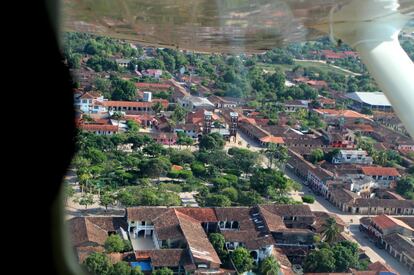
point(371, 98)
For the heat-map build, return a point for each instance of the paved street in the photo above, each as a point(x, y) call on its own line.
point(373, 252)
point(321, 204)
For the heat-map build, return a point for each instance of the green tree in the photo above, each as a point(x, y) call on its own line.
point(380, 157)
point(278, 154)
point(218, 242)
point(183, 139)
point(118, 116)
point(269, 266)
point(86, 199)
point(308, 199)
point(114, 243)
point(123, 90)
point(321, 260)
point(243, 159)
point(154, 149)
point(179, 114)
point(104, 86)
point(106, 199)
point(218, 200)
point(127, 245)
point(242, 259)
point(346, 256)
point(133, 126)
point(157, 107)
point(98, 264)
point(317, 155)
point(155, 167)
point(330, 230)
point(405, 187)
point(263, 180)
point(250, 198)
point(136, 271)
point(231, 193)
point(181, 157)
point(163, 271)
point(211, 142)
point(276, 80)
point(198, 169)
point(121, 268)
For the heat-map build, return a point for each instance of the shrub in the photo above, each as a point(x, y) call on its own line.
point(308, 199)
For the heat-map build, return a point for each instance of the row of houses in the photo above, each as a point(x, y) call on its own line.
point(395, 235)
point(353, 192)
point(177, 237)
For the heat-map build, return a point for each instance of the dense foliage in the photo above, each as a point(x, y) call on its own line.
point(338, 257)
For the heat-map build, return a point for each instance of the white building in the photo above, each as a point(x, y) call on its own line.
point(371, 100)
point(359, 183)
point(90, 102)
point(147, 97)
point(195, 102)
point(352, 157)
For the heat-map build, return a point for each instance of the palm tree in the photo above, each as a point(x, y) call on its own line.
point(269, 266)
point(380, 157)
point(330, 230)
point(276, 153)
point(157, 107)
point(117, 116)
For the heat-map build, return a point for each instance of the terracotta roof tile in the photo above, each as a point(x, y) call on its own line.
point(200, 247)
point(165, 257)
point(200, 214)
point(136, 104)
point(387, 222)
point(382, 171)
point(272, 139)
point(158, 86)
point(380, 266)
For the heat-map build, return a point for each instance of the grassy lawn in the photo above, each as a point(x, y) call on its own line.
point(306, 64)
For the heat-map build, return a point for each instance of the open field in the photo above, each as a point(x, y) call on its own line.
point(306, 64)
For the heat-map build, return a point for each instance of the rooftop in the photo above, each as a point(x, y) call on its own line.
point(272, 139)
point(383, 171)
point(339, 113)
point(370, 98)
point(387, 222)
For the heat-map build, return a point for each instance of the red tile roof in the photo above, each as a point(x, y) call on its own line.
point(332, 55)
point(325, 100)
point(158, 86)
point(176, 167)
point(380, 266)
point(344, 113)
point(140, 118)
point(361, 127)
point(262, 121)
point(382, 171)
point(387, 222)
point(317, 83)
point(248, 120)
point(200, 247)
point(137, 104)
point(350, 53)
point(200, 214)
point(198, 116)
point(272, 139)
